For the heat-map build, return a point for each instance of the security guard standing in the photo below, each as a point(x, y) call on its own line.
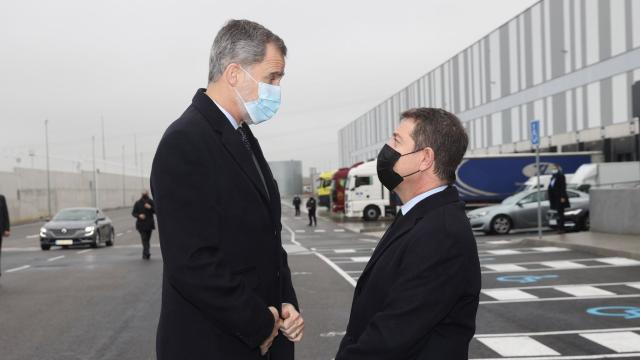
point(143, 211)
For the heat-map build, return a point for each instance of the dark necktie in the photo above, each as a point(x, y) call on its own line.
point(247, 145)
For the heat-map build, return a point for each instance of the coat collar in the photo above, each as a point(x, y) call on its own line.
point(408, 222)
point(231, 140)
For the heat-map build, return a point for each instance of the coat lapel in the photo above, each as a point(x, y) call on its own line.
point(407, 223)
point(231, 140)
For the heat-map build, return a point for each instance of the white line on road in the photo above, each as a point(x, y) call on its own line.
point(55, 258)
point(344, 251)
point(293, 234)
point(319, 230)
point(119, 234)
point(369, 240)
point(570, 357)
point(338, 230)
point(561, 332)
point(18, 268)
point(84, 251)
point(335, 267)
point(572, 298)
point(32, 236)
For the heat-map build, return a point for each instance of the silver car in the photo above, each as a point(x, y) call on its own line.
point(519, 211)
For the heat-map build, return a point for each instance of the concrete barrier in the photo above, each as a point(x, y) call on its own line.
point(26, 191)
point(615, 211)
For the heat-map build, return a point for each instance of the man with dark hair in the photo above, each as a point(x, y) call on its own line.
point(558, 198)
point(227, 290)
point(5, 227)
point(417, 297)
point(311, 210)
point(296, 204)
point(143, 211)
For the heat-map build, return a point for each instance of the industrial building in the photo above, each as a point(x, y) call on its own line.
point(568, 63)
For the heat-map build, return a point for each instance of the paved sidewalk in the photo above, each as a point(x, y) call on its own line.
point(597, 243)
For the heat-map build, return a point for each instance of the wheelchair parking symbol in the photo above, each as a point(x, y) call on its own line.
point(627, 312)
point(525, 279)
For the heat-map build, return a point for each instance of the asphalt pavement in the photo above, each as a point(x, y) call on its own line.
point(538, 302)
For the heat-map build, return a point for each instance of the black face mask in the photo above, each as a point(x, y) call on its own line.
point(387, 159)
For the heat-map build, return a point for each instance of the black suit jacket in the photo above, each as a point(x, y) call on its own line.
point(417, 297)
point(4, 216)
point(220, 239)
point(557, 191)
point(148, 224)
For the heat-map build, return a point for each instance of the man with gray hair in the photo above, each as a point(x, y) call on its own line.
point(227, 291)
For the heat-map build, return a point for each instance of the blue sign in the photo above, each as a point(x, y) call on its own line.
point(535, 132)
point(525, 279)
point(627, 312)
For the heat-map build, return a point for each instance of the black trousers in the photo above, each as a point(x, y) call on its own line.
point(312, 218)
point(145, 236)
point(561, 218)
point(0, 252)
point(298, 210)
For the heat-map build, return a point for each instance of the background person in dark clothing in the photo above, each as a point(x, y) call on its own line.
point(143, 211)
point(311, 208)
point(558, 199)
point(4, 222)
point(296, 204)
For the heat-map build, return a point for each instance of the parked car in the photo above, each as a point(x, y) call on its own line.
point(77, 226)
point(575, 219)
point(519, 211)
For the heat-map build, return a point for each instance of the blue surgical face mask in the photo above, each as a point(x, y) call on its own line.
point(267, 104)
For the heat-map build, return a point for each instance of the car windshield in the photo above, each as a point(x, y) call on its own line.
point(512, 199)
point(76, 215)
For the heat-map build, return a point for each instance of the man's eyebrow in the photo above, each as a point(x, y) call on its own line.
point(277, 73)
point(397, 136)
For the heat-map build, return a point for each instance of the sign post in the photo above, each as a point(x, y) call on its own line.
point(535, 140)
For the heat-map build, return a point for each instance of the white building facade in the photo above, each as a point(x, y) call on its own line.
point(568, 63)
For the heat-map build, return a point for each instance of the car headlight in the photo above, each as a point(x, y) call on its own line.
point(89, 230)
point(43, 232)
point(478, 214)
point(573, 212)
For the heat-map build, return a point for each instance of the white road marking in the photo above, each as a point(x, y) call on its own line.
point(549, 249)
point(84, 251)
point(333, 334)
point(560, 332)
point(583, 290)
point(369, 240)
point(561, 264)
point(293, 234)
point(508, 294)
point(301, 231)
point(634, 285)
point(620, 261)
point(319, 230)
point(570, 298)
point(499, 242)
point(16, 249)
point(119, 234)
point(518, 346)
point(335, 267)
point(570, 357)
point(504, 252)
point(55, 258)
point(18, 268)
point(344, 251)
point(32, 236)
point(338, 230)
point(505, 267)
point(624, 341)
point(360, 259)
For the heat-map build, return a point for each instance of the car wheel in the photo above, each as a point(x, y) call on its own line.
point(501, 224)
point(111, 238)
point(371, 213)
point(96, 241)
point(45, 247)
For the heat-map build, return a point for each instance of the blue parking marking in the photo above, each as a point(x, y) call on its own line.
point(525, 279)
point(627, 312)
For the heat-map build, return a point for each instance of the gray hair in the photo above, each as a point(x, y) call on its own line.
point(242, 42)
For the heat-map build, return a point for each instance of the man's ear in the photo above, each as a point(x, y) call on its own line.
point(231, 74)
point(429, 159)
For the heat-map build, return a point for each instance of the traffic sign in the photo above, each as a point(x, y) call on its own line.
point(535, 132)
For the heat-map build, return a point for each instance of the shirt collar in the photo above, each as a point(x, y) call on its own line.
point(233, 121)
point(413, 202)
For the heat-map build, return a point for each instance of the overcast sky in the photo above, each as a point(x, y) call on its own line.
point(137, 64)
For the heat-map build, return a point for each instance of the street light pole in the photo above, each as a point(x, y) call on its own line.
point(95, 185)
point(123, 179)
point(46, 142)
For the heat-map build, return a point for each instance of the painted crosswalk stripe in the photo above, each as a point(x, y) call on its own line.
point(119, 234)
point(32, 236)
point(504, 252)
point(621, 342)
point(338, 230)
point(619, 261)
point(583, 290)
point(319, 230)
point(499, 242)
point(344, 251)
point(550, 249)
point(83, 251)
point(634, 285)
point(360, 259)
point(508, 294)
point(518, 346)
point(18, 268)
point(563, 264)
point(300, 231)
point(505, 267)
point(56, 258)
